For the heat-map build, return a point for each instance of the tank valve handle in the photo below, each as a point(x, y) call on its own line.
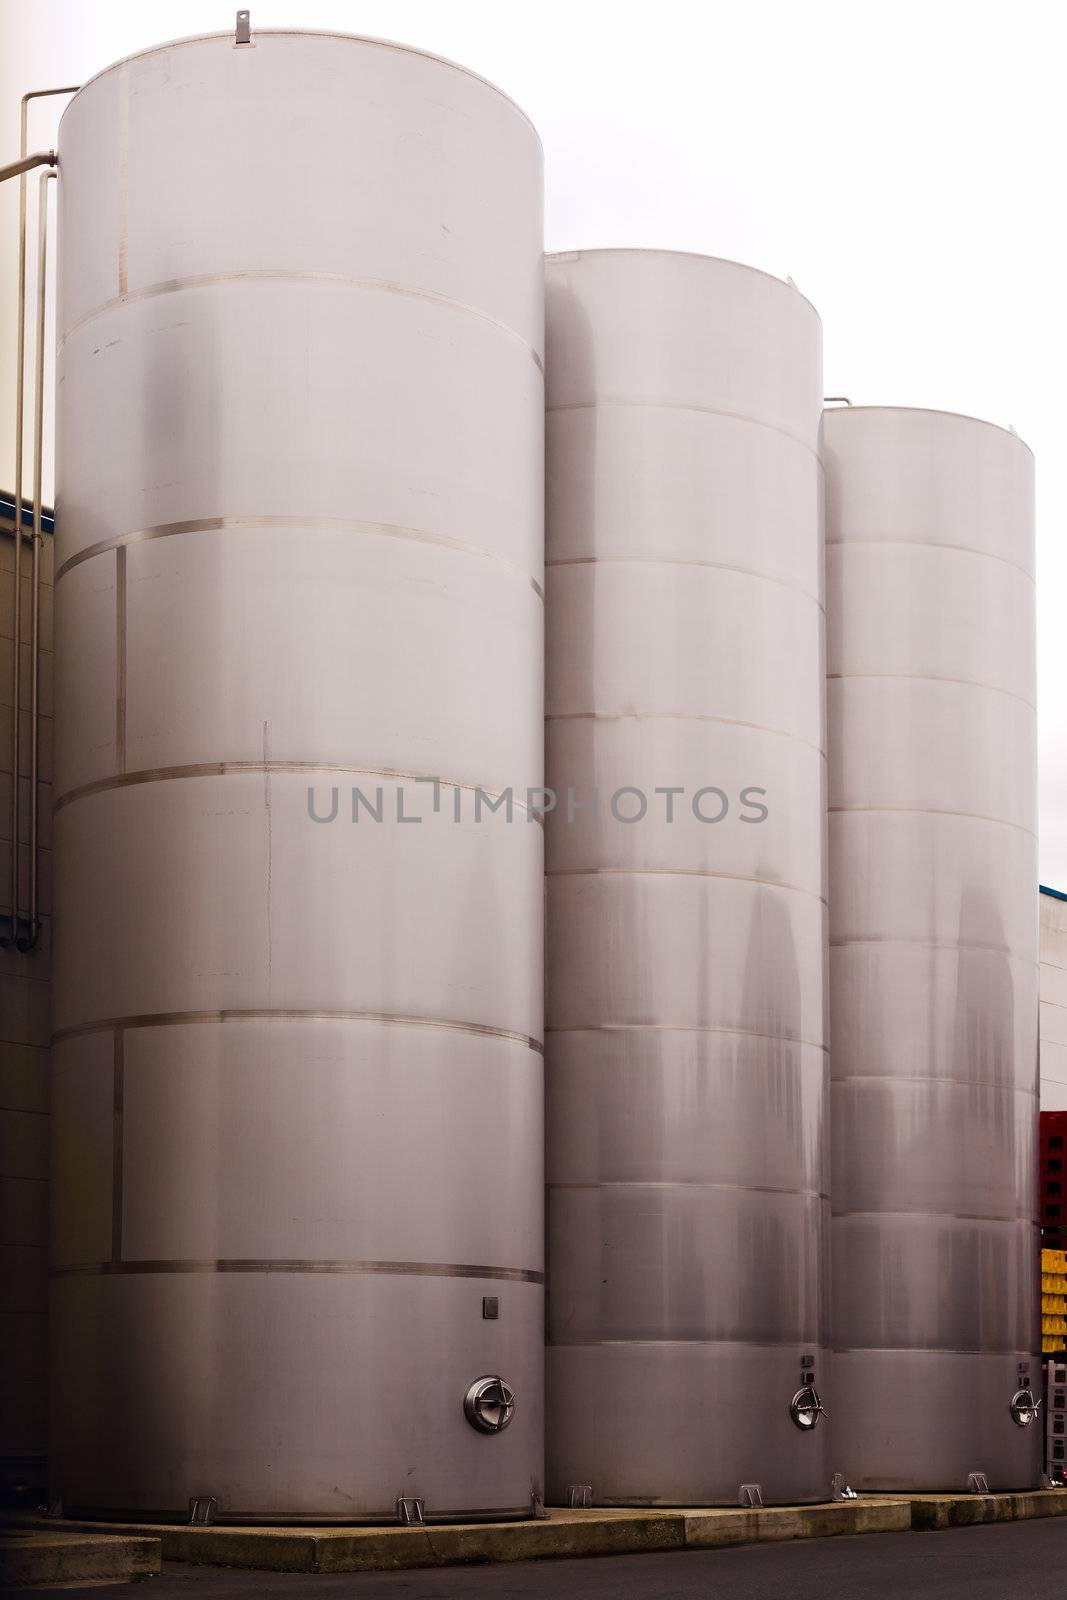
point(243, 34)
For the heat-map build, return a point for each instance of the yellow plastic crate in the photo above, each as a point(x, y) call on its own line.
point(1053, 1324)
point(1054, 1303)
point(1053, 1283)
point(1054, 1261)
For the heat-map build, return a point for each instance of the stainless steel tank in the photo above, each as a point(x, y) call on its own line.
point(933, 931)
point(298, 1210)
point(688, 1204)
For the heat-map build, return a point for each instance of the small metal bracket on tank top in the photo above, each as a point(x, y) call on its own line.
point(243, 31)
point(750, 1495)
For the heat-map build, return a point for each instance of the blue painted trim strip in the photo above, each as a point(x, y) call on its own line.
point(1057, 894)
point(7, 513)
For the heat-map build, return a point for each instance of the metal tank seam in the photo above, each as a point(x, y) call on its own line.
point(698, 410)
point(959, 1083)
point(229, 769)
point(118, 1114)
point(681, 872)
point(1014, 1219)
point(680, 716)
point(685, 1027)
point(933, 544)
point(930, 1350)
point(817, 1342)
point(167, 1019)
point(341, 280)
point(939, 944)
point(680, 561)
point(688, 1183)
point(411, 1269)
point(933, 677)
point(296, 523)
point(935, 811)
point(120, 659)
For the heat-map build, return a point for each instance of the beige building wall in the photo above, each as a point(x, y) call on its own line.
point(1053, 1002)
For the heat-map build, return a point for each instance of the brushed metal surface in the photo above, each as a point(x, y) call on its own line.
point(299, 1070)
point(685, 1056)
point(933, 980)
point(345, 1359)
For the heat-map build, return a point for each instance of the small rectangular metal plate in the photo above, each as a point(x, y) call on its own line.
point(490, 1307)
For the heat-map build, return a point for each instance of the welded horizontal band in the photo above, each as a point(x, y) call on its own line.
point(936, 811)
point(639, 403)
point(985, 1349)
point(225, 769)
point(685, 1027)
point(300, 524)
point(931, 677)
point(933, 544)
point(178, 1019)
point(958, 1083)
point(681, 872)
point(940, 944)
point(1016, 1219)
point(678, 561)
point(210, 280)
point(397, 1269)
point(681, 716)
point(688, 1183)
point(810, 1343)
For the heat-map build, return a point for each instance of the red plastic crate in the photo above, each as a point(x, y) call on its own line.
point(1052, 1193)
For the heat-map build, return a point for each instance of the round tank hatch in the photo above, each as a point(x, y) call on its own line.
point(1024, 1408)
point(806, 1408)
point(489, 1404)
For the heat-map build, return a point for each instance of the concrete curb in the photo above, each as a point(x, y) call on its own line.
point(36, 1558)
point(934, 1511)
point(561, 1533)
point(567, 1533)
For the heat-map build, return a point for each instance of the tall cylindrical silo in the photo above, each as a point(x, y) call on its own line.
point(686, 1057)
point(933, 932)
point(298, 1090)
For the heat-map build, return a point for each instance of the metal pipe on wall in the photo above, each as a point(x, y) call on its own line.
point(35, 585)
point(686, 1057)
point(933, 929)
point(26, 163)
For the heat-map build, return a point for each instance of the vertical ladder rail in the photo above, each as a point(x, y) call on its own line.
point(19, 169)
point(35, 602)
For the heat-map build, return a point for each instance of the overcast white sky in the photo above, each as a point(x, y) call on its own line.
point(904, 162)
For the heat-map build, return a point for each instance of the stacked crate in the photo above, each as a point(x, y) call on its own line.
point(1052, 1205)
point(1053, 1301)
point(1052, 1201)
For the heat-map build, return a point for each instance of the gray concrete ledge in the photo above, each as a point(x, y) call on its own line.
point(561, 1533)
point(32, 1558)
point(566, 1533)
point(931, 1511)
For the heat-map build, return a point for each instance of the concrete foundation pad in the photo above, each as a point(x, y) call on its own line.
point(599, 1531)
point(930, 1511)
point(45, 1558)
